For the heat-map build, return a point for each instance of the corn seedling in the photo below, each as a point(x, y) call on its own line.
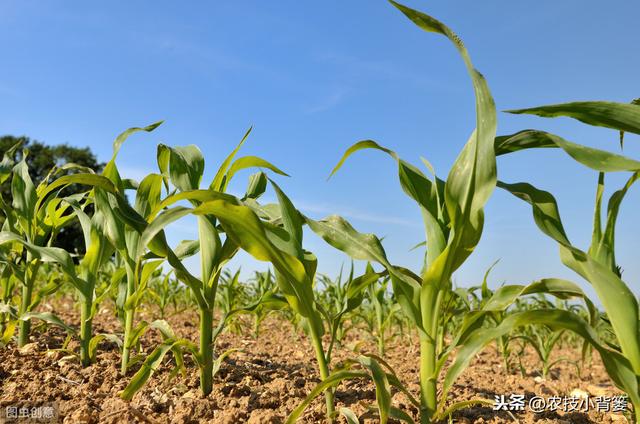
point(453, 216)
point(334, 299)
point(231, 295)
point(31, 223)
point(384, 312)
point(597, 265)
point(277, 238)
point(183, 167)
point(166, 291)
point(263, 286)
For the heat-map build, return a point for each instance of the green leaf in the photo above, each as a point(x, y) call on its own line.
point(349, 415)
point(617, 366)
point(618, 116)
point(23, 193)
point(244, 227)
point(602, 248)
point(97, 339)
point(417, 186)
point(219, 180)
point(45, 254)
point(616, 297)
point(545, 209)
point(596, 235)
point(339, 233)
point(250, 162)
point(149, 366)
point(361, 145)
point(383, 389)
point(7, 162)
point(217, 363)
point(148, 194)
point(122, 137)
point(185, 166)
point(464, 404)
point(400, 415)
point(472, 178)
point(599, 160)
point(7, 335)
point(91, 180)
point(257, 185)
point(292, 223)
point(187, 248)
point(330, 381)
point(110, 170)
point(49, 318)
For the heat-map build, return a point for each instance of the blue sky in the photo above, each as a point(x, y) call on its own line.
point(315, 77)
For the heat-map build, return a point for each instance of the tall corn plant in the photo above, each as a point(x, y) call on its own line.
point(453, 217)
point(452, 211)
point(118, 227)
point(598, 263)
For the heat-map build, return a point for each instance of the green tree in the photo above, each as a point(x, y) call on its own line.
point(42, 158)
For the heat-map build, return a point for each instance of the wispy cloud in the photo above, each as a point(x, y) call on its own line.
point(187, 50)
point(359, 67)
point(329, 101)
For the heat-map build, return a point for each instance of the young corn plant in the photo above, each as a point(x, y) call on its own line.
point(8, 313)
point(474, 301)
point(116, 227)
point(165, 291)
point(274, 234)
point(30, 226)
point(598, 263)
point(263, 286)
point(297, 287)
point(182, 168)
point(104, 234)
point(453, 215)
point(8, 259)
point(231, 295)
point(384, 312)
point(139, 266)
point(333, 299)
point(543, 341)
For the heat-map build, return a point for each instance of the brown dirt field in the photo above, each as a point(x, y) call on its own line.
point(265, 381)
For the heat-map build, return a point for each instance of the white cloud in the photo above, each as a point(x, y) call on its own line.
point(328, 102)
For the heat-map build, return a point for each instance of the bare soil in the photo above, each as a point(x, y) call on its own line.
point(267, 379)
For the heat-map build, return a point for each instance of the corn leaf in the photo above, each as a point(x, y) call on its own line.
point(618, 116)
